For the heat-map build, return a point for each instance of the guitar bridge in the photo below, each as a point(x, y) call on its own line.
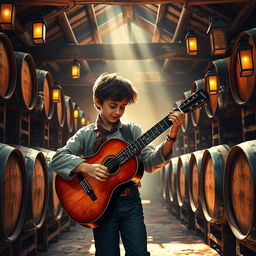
point(86, 187)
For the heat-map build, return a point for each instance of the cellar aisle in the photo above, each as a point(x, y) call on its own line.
point(166, 236)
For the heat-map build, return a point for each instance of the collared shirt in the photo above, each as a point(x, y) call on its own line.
point(82, 143)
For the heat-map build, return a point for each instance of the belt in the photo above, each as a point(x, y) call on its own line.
point(130, 191)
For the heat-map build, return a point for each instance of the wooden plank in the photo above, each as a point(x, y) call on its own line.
point(123, 2)
point(241, 17)
point(185, 16)
point(136, 77)
point(160, 15)
point(65, 25)
point(94, 23)
point(136, 51)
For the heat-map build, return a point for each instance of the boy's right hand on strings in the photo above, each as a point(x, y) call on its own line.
point(97, 171)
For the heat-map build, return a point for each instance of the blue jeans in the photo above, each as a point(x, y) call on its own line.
point(126, 218)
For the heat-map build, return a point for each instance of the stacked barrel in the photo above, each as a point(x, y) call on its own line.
point(32, 127)
point(214, 179)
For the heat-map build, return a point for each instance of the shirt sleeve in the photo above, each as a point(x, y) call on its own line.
point(152, 156)
point(67, 158)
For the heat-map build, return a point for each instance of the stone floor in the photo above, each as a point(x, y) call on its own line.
point(166, 237)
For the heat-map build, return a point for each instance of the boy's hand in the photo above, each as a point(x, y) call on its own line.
point(97, 171)
point(177, 118)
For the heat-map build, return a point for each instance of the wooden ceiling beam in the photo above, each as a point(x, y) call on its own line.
point(185, 16)
point(123, 2)
point(241, 17)
point(106, 28)
point(136, 77)
point(128, 16)
point(68, 31)
point(111, 25)
point(136, 51)
point(94, 23)
point(159, 18)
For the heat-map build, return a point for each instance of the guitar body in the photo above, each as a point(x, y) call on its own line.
point(79, 204)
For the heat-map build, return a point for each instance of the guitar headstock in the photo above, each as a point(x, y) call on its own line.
point(196, 100)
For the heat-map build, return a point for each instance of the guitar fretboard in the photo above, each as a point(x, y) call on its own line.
point(141, 142)
point(194, 101)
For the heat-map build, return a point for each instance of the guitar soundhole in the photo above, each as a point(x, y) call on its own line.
point(112, 164)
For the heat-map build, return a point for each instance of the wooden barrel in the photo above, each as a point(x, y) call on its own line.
point(8, 69)
point(187, 121)
point(55, 209)
point(182, 180)
point(14, 192)
point(211, 183)
point(69, 113)
point(45, 104)
point(222, 102)
point(172, 170)
point(198, 116)
point(194, 169)
point(243, 88)
point(26, 88)
point(38, 192)
point(239, 190)
point(163, 183)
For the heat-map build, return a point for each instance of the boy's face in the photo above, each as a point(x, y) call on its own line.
point(111, 111)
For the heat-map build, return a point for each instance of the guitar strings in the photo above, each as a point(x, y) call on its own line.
point(184, 108)
point(130, 150)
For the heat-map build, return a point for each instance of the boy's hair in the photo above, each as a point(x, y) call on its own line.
point(113, 86)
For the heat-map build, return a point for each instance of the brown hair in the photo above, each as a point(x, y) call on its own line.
point(115, 87)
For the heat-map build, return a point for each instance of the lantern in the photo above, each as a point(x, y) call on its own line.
point(75, 69)
point(218, 39)
point(7, 15)
point(83, 121)
point(212, 81)
point(191, 43)
point(76, 112)
point(39, 31)
point(245, 57)
point(56, 92)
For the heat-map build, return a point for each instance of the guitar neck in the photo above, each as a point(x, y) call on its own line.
point(141, 142)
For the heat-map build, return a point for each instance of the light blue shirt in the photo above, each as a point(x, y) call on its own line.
point(81, 144)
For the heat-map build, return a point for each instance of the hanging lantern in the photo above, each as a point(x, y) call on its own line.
point(191, 43)
point(56, 92)
point(218, 39)
point(75, 69)
point(76, 112)
point(212, 81)
point(7, 15)
point(39, 31)
point(83, 121)
point(245, 57)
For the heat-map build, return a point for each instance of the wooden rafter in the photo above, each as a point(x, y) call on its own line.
point(65, 25)
point(185, 16)
point(149, 27)
point(136, 77)
point(94, 23)
point(123, 2)
point(111, 25)
point(159, 17)
point(136, 51)
point(242, 16)
point(128, 16)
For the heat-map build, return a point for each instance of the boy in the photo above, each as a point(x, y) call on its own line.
point(111, 94)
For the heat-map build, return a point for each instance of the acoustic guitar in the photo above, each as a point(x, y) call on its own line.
point(89, 201)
